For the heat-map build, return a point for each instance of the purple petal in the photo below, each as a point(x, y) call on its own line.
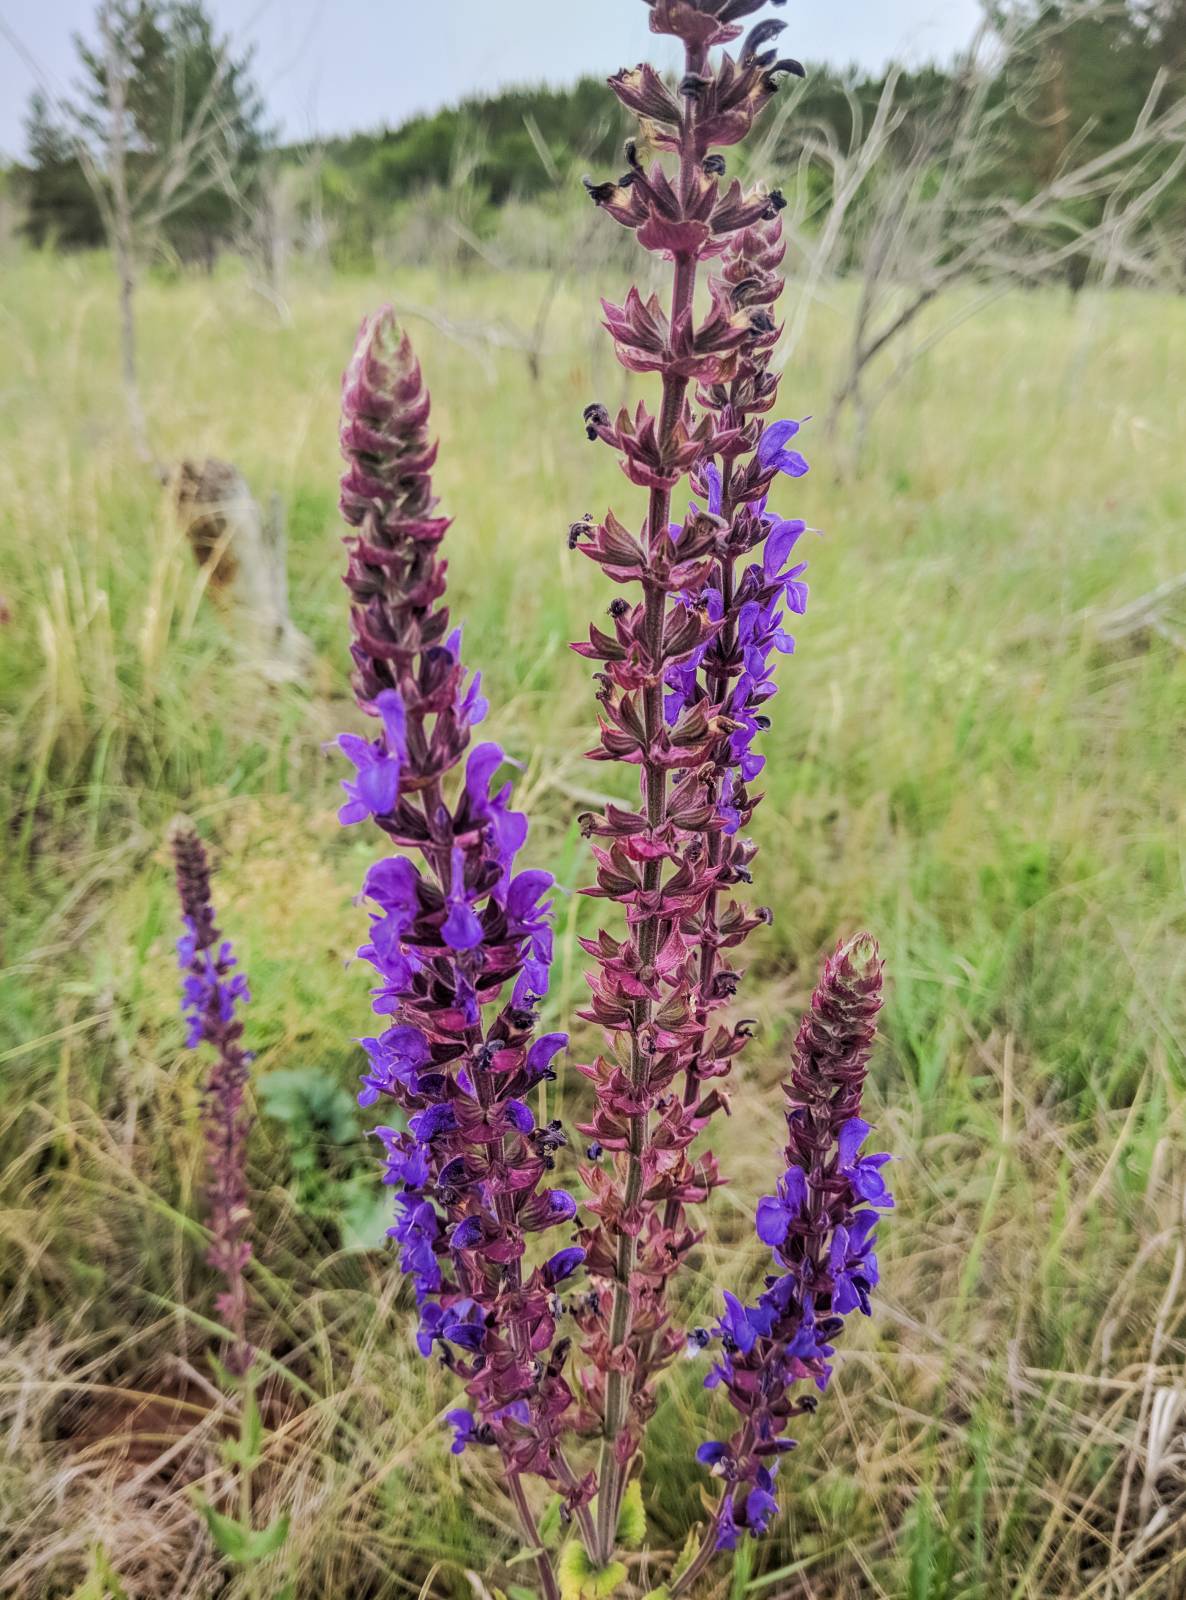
point(378, 785)
point(783, 539)
point(794, 1190)
point(774, 438)
point(850, 1139)
point(390, 705)
point(525, 892)
point(540, 1056)
point(520, 1116)
point(561, 1205)
point(392, 883)
point(562, 1265)
point(354, 748)
point(483, 763)
point(773, 1221)
point(461, 930)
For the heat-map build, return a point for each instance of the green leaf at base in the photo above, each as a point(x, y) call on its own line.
point(241, 1544)
point(581, 1580)
point(632, 1520)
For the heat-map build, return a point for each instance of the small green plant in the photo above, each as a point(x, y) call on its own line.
point(330, 1181)
point(101, 1582)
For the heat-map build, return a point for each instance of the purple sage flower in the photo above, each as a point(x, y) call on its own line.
point(820, 1225)
point(212, 991)
point(461, 941)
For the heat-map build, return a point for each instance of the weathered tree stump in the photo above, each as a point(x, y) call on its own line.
point(244, 556)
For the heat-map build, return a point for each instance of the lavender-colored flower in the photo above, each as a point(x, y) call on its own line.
point(726, 1536)
point(466, 1429)
point(461, 942)
point(820, 1225)
point(562, 1265)
point(777, 1212)
point(211, 994)
point(375, 790)
point(211, 989)
point(773, 454)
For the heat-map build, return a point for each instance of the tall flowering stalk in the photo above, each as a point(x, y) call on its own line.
point(212, 992)
point(461, 937)
point(461, 941)
point(820, 1225)
point(685, 675)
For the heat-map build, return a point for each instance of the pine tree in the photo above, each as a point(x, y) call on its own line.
point(60, 208)
point(195, 120)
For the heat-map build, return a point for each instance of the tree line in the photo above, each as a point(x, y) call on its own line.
point(1071, 85)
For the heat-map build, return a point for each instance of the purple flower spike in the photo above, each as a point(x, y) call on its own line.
point(211, 994)
point(684, 681)
point(819, 1229)
point(462, 943)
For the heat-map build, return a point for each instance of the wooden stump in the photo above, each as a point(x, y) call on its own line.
point(244, 556)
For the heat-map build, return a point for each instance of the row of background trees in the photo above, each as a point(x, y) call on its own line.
point(1053, 149)
point(1068, 81)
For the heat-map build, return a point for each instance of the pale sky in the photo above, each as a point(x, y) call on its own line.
point(334, 66)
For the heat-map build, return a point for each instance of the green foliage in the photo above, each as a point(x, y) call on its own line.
point(246, 1452)
point(329, 1180)
point(60, 208)
point(491, 134)
point(550, 1522)
point(101, 1582)
point(239, 1542)
point(183, 83)
point(581, 1580)
point(632, 1522)
point(688, 1554)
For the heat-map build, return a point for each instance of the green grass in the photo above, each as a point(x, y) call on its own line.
point(957, 763)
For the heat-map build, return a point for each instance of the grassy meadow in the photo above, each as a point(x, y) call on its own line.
point(959, 762)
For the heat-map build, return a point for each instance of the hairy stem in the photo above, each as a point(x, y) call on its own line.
point(718, 687)
point(543, 1562)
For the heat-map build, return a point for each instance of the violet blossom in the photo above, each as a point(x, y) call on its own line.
point(212, 992)
point(461, 943)
point(820, 1224)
